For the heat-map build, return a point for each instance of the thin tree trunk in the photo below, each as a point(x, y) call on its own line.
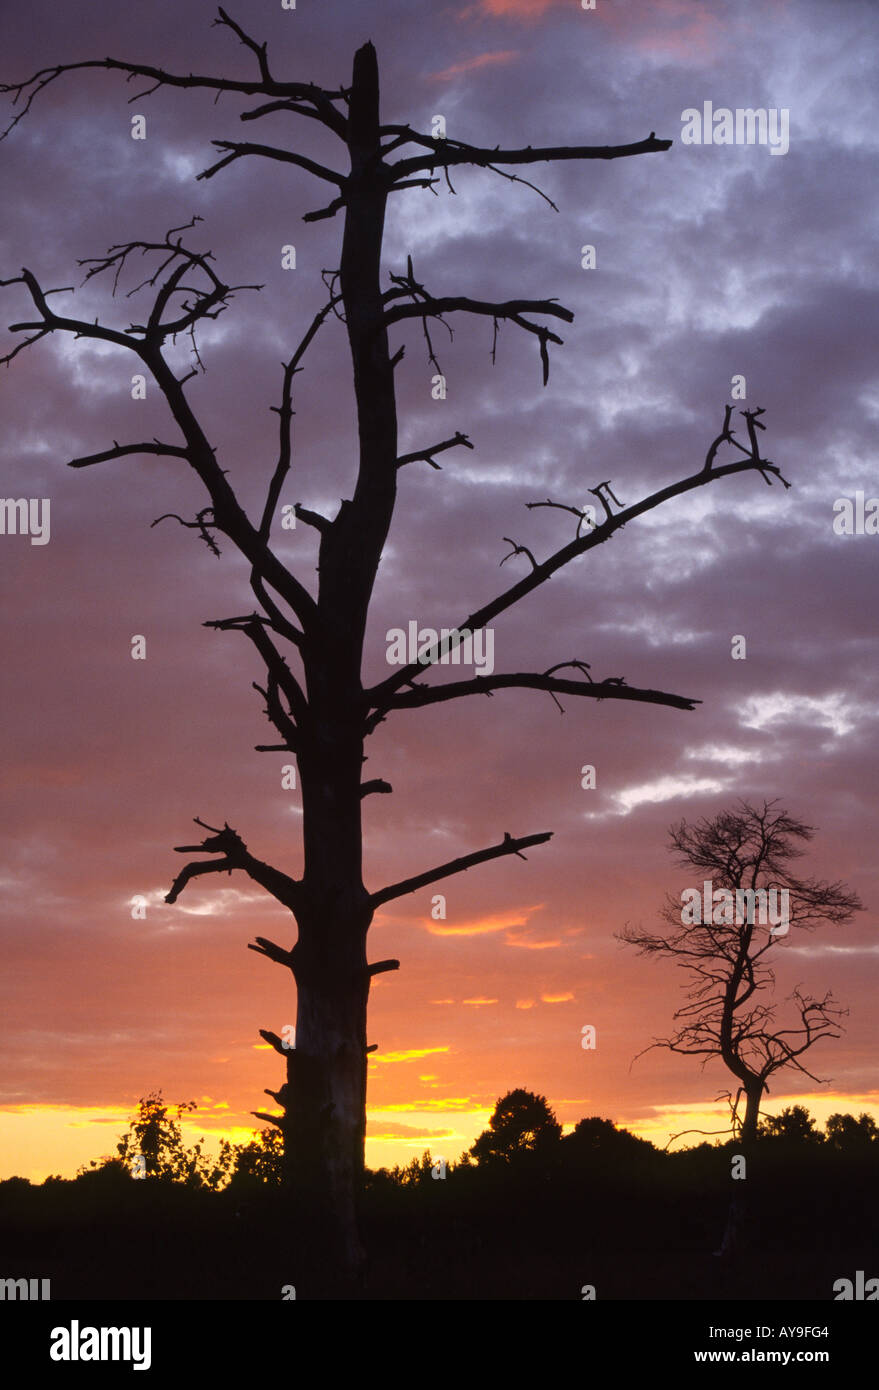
point(735, 1233)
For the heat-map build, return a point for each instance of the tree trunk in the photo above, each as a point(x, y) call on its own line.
point(326, 1098)
point(753, 1096)
point(735, 1233)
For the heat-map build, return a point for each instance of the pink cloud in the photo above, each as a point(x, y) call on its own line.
point(682, 29)
point(519, 9)
point(482, 60)
point(529, 945)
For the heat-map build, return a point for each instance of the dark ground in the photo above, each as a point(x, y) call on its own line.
point(642, 1228)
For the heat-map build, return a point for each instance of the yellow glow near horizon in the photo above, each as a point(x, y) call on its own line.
point(674, 1119)
point(39, 1141)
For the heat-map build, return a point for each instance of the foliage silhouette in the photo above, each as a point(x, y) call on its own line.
point(522, 1123)
point(793, 1126)
point(154, 1149)
point(594, 1135)
point(260, 1162)
point(846, 1134)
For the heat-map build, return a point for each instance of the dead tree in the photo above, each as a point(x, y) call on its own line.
point(726, 950)
point(311, 644)
point(745, 852)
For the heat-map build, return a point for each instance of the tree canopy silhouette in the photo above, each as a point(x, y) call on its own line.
point(594, 1136)
point(522, 1123)
point(849, 1135)
point(793, 1126)
point(154, 1147)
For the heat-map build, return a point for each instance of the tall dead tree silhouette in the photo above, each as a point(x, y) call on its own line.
point(321, 710)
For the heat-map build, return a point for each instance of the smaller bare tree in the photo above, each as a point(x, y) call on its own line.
point(746, 854)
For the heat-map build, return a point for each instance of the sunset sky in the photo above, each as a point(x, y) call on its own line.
point(711, 261)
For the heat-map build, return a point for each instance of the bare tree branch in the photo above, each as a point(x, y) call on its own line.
point(201, 524)
point(325, 113)
point(518, 550)
point(446, 154)
point(613, 689)
point(578, 512)
point(456, 866)
point(318, 98)
point(229, 516)
point(378, 695)
point(258, 48)
point(376, 785)
point(231, 847)
point(280, 676)
point(274, 1041)
point(275, 953)
point(276, 1121)
point(428, 455)
point(205, 303)
point(285, 413)
point(121, 450)
point(380, 967)
point(329, 211)
point(514, 310)
point(238, 150)
point(49, 322)
point(279, 623)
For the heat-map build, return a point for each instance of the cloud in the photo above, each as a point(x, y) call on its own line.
point(481, 926)
point(517, 9)
point(683, 30)
point(529, 944)
point(384, 1058)
point(725, 753)
point(835, 711)
point(391, 1130)
point(464, 1104)
point(481, 60)
point(666, 788)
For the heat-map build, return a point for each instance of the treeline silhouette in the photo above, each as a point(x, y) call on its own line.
point(526, 1212)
